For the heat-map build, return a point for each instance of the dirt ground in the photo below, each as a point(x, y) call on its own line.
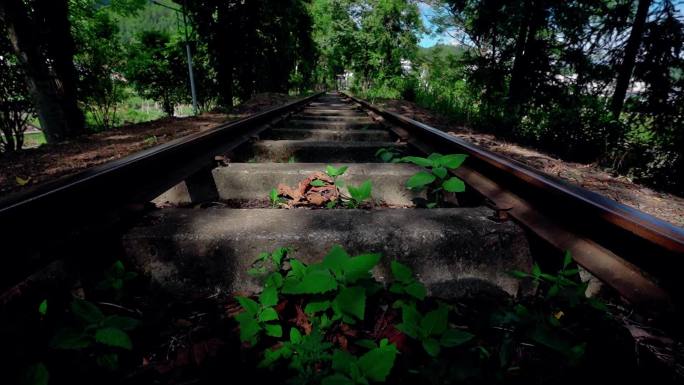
point(665, 206)
point(49, 162)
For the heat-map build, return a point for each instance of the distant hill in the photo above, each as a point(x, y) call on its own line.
point(152, 17)
point(442, 50)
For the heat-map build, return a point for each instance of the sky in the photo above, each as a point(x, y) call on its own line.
point(429, 40)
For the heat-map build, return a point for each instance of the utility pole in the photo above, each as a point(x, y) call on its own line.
point(191, 74)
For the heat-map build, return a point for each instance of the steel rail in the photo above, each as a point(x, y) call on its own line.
point(609, 230)
point(34, 223)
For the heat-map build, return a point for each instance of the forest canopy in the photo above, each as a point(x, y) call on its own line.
point(587, 80)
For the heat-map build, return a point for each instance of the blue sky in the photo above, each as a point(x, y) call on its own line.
point(428, 40)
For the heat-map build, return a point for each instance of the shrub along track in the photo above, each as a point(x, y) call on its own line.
point(191, 251)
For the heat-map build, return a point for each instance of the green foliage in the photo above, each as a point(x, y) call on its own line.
point(405, 282)
point(36, 374)
point(359, 194)
point(375, 365)
point(334, 172)
point(275, 199)
point(335, 291)
point(434, 178)
point(259, 316)
point(432, 329)
point(15, 104)
point(157, 69)
point(388, 155)
point(105, 335)
point(43, 307)
point(115, 279)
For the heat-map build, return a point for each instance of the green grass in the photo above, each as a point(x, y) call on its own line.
point(34, 139)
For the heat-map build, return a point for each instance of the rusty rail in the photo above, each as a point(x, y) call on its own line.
point(606, 237)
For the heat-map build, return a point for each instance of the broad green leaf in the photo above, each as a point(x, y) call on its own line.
point(298, 269)
point(453, 184)
point(420, 180)
point(440, 172)
point(113, 337)
point(553, 291)
point(416, 290)
point(36, 374)
point(86, 311)
point(121, 322)
point(325, 321)
point(250, 305)
point(451, 161)
point(275, 280)
point(68, 338)
point(432, 347)
point(368, 344)
point(317, 183)
point(397, 288)
point(455, 337)
point(43, 307)
point(269, 296)
point(401, 272)
point(273, 330)
point(519, 274)
point(314, 282)
point(249, 327)
point(410, 321)
point(268, 314)
point(536, 270)
point(358, 267)
point(335, 172)
point(278, 255)
point(342, 361)
point(567, 259)
point(336, 260)
point(423, 162)
point(435, 322)
point(295, 336)
point(273, 195)
point(365, 189)
point(434, 156)
point(109, 361)
point(352, 301)
point(377, 364)
point(315, 307)
point(337, 379)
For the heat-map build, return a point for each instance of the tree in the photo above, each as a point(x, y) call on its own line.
point(47, 59)
point(255, 45)
point(156, 66)
point(15, 106)
point(99, 57)
point(624, 74)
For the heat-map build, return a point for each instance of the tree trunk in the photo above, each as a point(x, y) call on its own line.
point(61, 49)
point(55, 107)
point(629, 59)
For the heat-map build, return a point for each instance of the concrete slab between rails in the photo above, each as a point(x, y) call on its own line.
point(332, 112)
point(366, 123)
point(456, 253)
point(361, 118)
point(310, 151)
point(243, 181)
point(327, 134)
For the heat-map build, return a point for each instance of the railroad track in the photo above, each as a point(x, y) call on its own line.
point(189, 250)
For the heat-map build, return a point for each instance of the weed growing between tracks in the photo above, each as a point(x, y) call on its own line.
point(331, 323)
point(435, 177)
point(322, 190)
